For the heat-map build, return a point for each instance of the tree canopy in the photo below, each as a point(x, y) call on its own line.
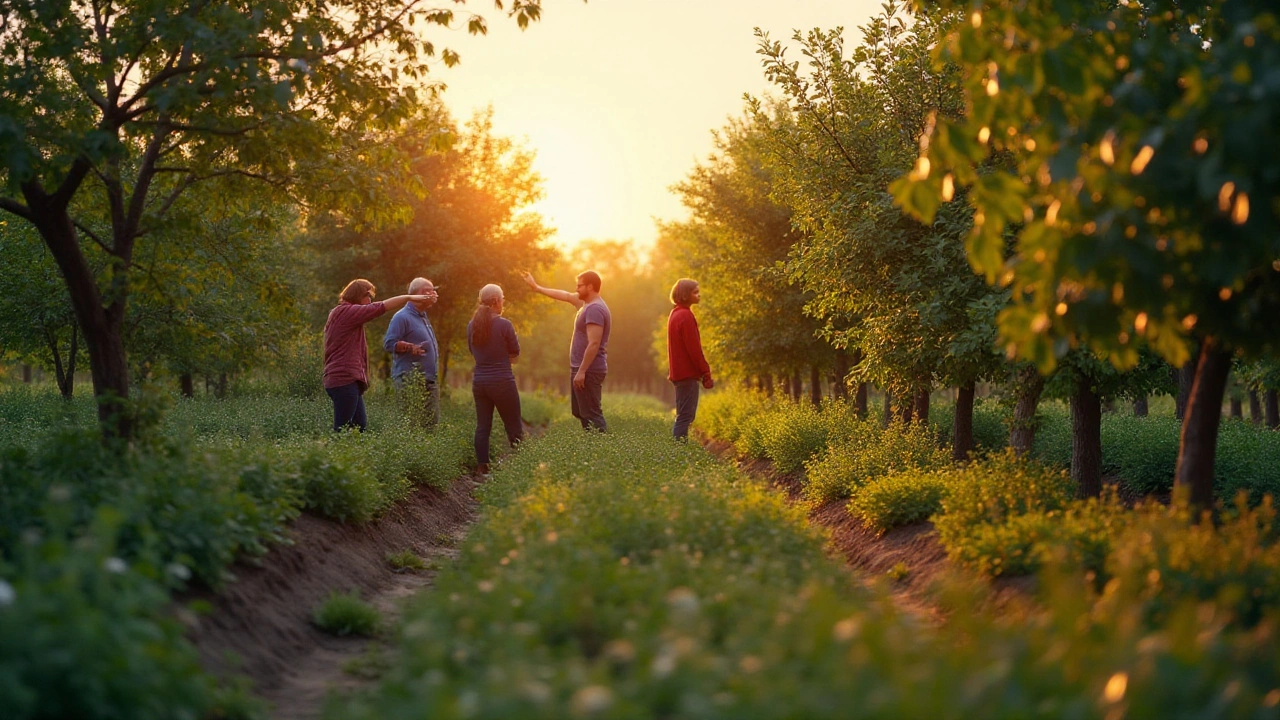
point(138, 102)
point(1129, 150)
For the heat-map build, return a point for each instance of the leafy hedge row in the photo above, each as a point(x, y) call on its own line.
point(92, 542)
point(840, 452)
point(1002, 515)
point(629, 576)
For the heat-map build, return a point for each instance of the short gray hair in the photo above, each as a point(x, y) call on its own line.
point(417, 284)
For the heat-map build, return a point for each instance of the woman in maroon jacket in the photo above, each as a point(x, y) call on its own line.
point(684, 355)
point(346, 355)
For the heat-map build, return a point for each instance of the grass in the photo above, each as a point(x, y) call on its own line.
point(406, 561)
point(625, 575)
point(345, 614)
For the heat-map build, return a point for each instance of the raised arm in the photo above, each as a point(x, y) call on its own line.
point(553, 293)
point(399, 301)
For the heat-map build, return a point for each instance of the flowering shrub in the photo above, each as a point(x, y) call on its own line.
point(899, 499)
point(869, 452)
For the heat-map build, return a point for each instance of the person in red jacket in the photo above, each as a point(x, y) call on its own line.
point(346, 355)
point(688, 366)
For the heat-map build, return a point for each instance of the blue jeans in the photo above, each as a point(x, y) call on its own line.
point(585, 403)
point(503, 396)
point(686, 406)
point(348, 407)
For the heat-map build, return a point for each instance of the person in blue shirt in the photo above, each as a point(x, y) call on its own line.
point(588, 350)
point(414, 353)
point(492, 341)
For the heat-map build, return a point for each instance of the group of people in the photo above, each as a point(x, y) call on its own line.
point(491, 338)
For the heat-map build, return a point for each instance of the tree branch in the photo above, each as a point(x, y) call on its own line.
point(92, 235)
point(13, 206)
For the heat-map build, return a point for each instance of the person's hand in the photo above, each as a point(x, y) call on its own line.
point(421, 298)
point(707, 382)
point(528, 279)
point(580, 380)
point(417, 350)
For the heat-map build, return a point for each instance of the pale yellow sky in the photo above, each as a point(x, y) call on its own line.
point(618, 98)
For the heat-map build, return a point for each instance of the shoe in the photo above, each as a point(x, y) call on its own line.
point(482, 469)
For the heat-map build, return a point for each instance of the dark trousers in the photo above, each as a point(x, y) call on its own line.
point(348, 407)
point(686, 406)
point(585, 403)
point(505, 397)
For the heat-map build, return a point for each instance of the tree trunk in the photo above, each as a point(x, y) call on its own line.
point(1141, 407)
point(797, 385)
point(962, 424)
point(860, 400)
point(1237, 407)
point(839, 384)
point(1255, 407)
point(815, 385)
point(922, 407)
point(1186, 377)
point(26, 373)
point(188, 385)
point(888, 409)
point(1022, 432)
point(1273, 409)
point(101, 324)
point(906, 408)
point(220, 387)
point(68, 384)
point(768, 385)
point(443, 370)
point(1200, 427)
point(1086, 440)
point(63, 375)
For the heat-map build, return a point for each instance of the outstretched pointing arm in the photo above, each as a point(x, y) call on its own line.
point(554, 294)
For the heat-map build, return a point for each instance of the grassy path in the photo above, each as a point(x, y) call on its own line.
point(626, 573)
point(630, 576)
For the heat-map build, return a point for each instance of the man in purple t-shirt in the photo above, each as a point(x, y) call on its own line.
point(588, 362)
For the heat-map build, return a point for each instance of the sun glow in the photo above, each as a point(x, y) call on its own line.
point(614, 121)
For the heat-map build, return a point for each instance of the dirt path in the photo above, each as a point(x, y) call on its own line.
point(341, 665)
point(260, 624)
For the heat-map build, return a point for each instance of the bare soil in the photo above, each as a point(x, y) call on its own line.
point(260, 624)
